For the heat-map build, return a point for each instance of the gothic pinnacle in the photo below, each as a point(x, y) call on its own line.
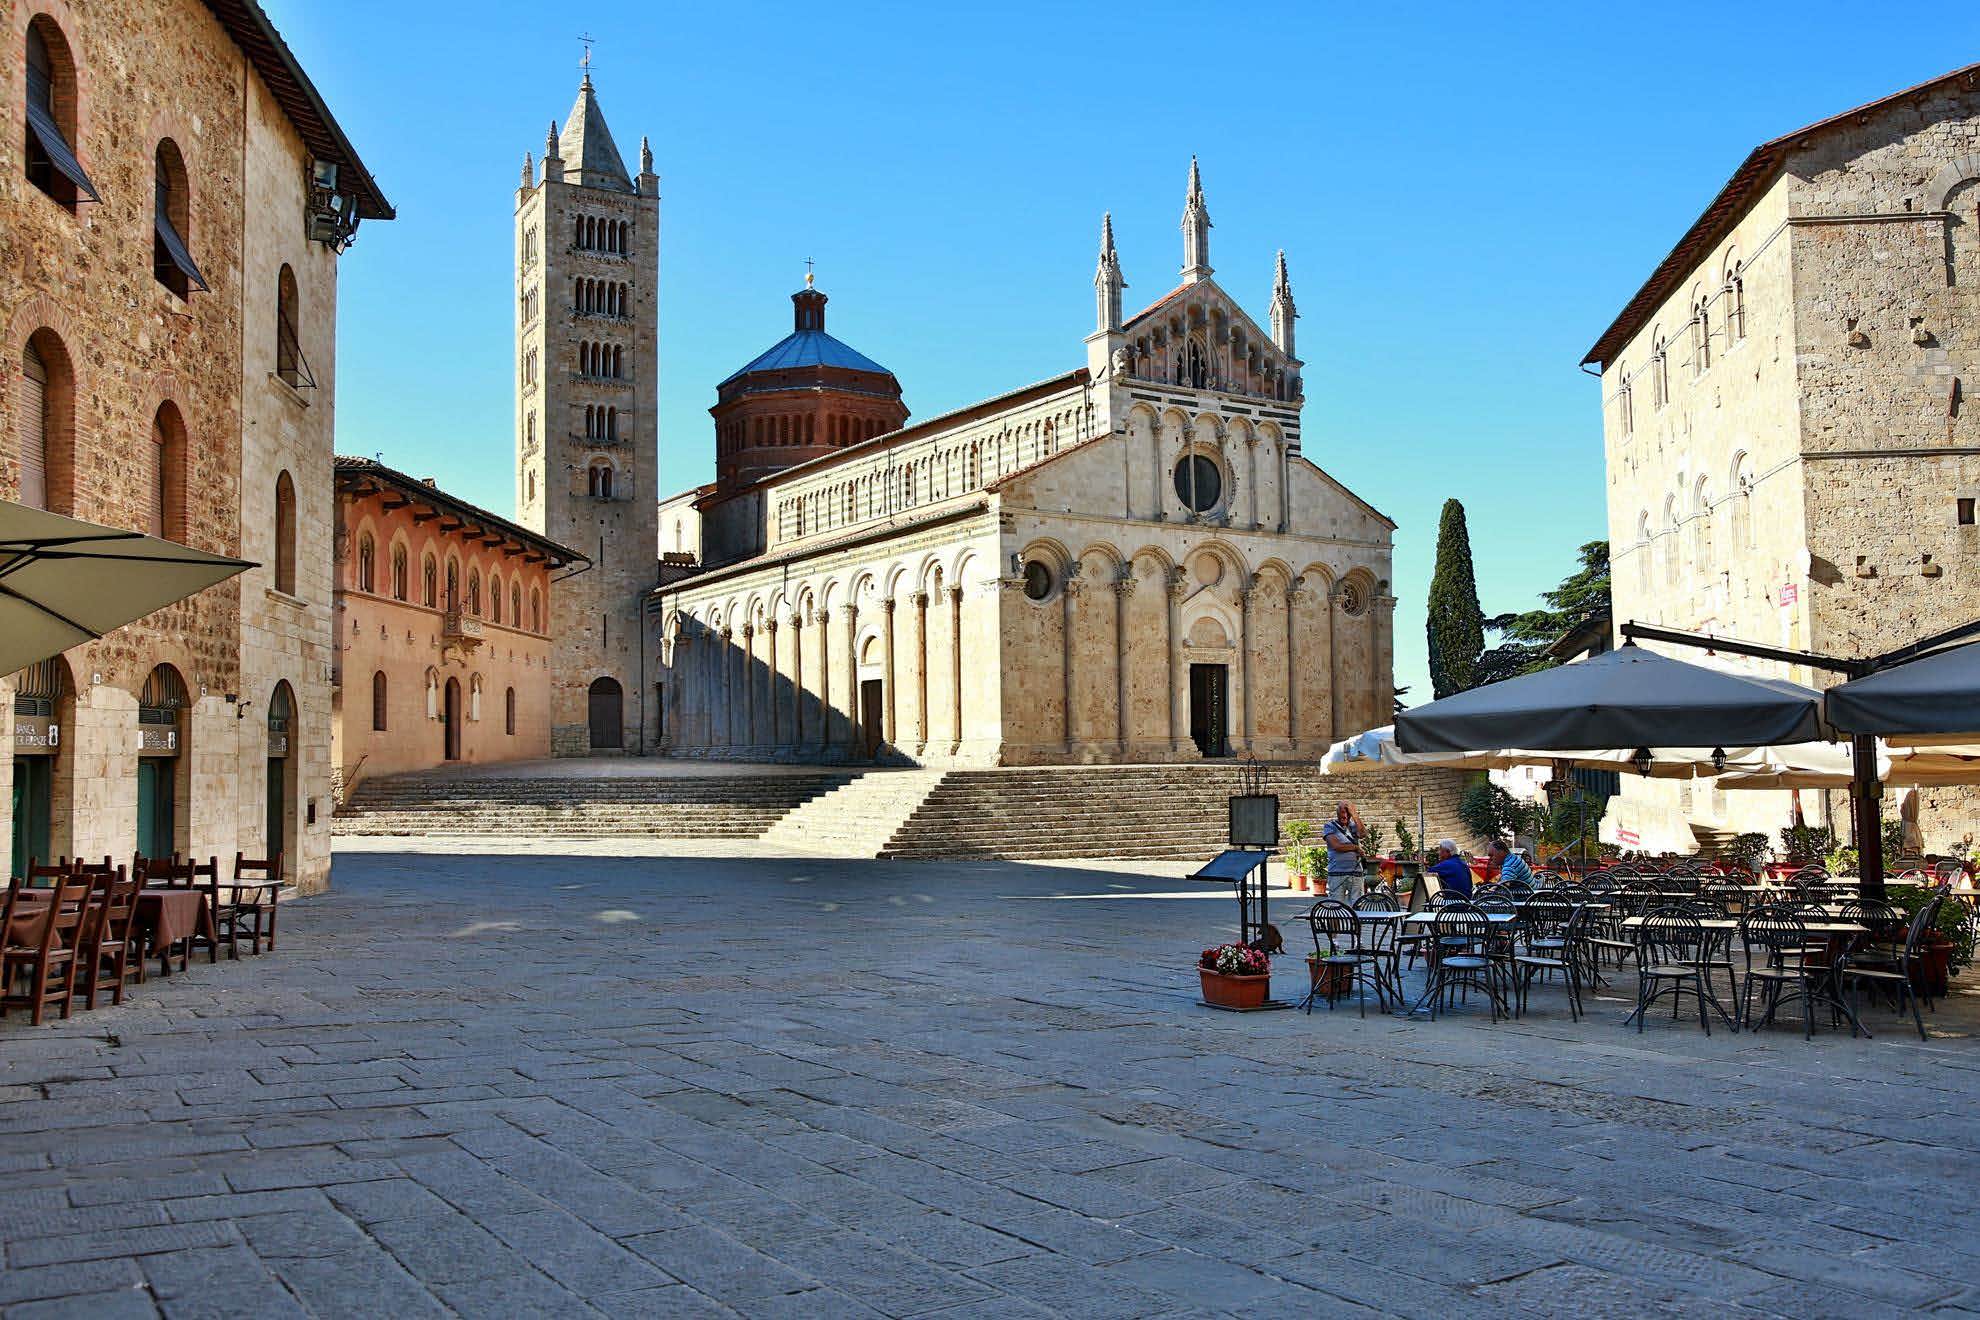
point(645, 155)
point(550, 141)
point(528, 170)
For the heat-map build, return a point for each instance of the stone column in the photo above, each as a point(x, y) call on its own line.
point(1251, 474)
point(1285, 479)
point(770, 668)
point(955, 663)
point(920, 602)
point(1381, 651)
point(1068, 597)
point(1244, 595)
point(854, 748)
point(728, 695)
point(1157, 511)
point(1178, 584)
point(749, 685)
point(797, 680)
point(675, 713)
point(824, 682)
point(1124, 586)
point(887, 645)
point(1294, 599)
point(1334, 617)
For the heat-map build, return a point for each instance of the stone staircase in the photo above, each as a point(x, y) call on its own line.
point(856, 819)
point(691, 806)
point(1158, 812)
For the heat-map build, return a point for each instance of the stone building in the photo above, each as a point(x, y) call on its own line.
point(174, 196)
point(587, 247)
point(443, 646)
point(1791, 455)
point(1130, 561)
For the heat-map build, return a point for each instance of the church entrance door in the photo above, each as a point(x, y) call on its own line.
point(451, 719)
point(607, 712)
point(1209, 692)
point(871, 714)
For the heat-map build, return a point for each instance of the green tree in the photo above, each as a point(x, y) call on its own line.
point(1456, 624)
point(1524, 638)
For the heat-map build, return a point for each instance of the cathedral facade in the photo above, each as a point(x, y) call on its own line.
point(1131, 561)
point(587, 249)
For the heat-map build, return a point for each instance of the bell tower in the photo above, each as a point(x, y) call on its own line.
point(587, 270)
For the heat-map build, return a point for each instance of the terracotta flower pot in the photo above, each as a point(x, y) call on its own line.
point(1224, 991)
point(1932, 975)
point(1330, 980)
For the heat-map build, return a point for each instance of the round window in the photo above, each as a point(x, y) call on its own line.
point(1037, 580)
point(1199, 483)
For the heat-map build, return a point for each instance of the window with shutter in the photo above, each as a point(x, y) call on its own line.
point(33, 449)
point(152, 480)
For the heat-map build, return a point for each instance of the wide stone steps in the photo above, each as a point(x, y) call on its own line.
point(710, 806)
point(856, 819)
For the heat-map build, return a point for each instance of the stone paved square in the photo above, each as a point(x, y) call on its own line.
point(757, 1084)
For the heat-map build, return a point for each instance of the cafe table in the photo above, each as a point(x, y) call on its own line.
point(1834, 933)
point(166, 915)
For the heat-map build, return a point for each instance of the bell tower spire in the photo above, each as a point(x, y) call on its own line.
point(1283, 311)
point(1196, 230)
point(1107, 281)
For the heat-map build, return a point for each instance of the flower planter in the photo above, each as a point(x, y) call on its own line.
point(1240, 992)
point(1330, 980)
point(1299, 882)
point(1389, 867)
point(1931, 977)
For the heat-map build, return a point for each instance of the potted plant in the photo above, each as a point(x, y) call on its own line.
point(1840, 861)
point(1330, 980)
point(1408, 855)
point(1299, 857)
point(1945, 947)
point(1745, 851)
point(1235, 976)
point(1803, 845)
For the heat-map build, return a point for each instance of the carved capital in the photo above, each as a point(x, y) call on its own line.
point(748, 631)
point(1125, 584)
point(822, 617)
point(887, 605)
point(771, 627)
point(955, 593)
point(728, 634)
point(919, 600)
point(1178, 582)
point(797, 620)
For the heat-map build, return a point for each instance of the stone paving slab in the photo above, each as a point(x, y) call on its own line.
point(720, 1081)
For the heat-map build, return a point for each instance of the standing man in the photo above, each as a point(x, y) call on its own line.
point(1508, 865)
point(1343, 838)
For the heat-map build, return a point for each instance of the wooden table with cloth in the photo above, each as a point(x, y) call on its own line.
point(168, 916)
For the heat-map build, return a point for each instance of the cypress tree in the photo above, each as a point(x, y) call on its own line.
point(1456, 624)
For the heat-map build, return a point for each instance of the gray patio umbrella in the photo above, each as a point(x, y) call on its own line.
point(1629, 697)
point(1936, 697)
point(65, 582)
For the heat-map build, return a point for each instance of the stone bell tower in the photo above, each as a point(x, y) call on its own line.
point(587, 270)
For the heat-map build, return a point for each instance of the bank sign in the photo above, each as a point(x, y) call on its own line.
point(157, 742)
point(37, 733)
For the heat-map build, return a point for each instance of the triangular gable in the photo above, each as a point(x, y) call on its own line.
point(1218, 295)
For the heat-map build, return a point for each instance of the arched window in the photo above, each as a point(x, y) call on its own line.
point(1701, 526)
point(289, 363)
point(429, 583)
point(1643, 549)
point(529, 432)
point(515, 605)
point(1660, 377)
point(453, 586)
point(509, 712)
point(599, 479)
point(164, 475)
point(474, 698)
point(285, 534)
point(1671, 541)
point(1701, 335)
point(535, 609)
point(51, 116)
point(398, 572)
point(171, 222)
point(1742, 500)
point(378, 700)
point(494, 598)
point(474, 592)
point(1625, 400)
point(366, 557)
point(45, 424)
point(1735, 303)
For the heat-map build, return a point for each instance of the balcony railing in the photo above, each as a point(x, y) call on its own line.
point(458, 626)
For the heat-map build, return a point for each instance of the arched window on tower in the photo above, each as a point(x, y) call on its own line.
point(598, 479)
point(165, 479)
point(378, 702)
point(289, 362)
point(51, 116)
point(171, 222)
point(398, 572)
point(285, 534)
point(366, 555)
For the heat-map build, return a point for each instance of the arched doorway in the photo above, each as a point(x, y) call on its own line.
point(281, 720)
point(451, 719)
point(161, 708)
point(607, 715)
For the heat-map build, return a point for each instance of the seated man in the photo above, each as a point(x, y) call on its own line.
point(1507, 864)
point(1452, 871)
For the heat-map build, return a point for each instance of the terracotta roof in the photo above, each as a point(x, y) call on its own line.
point(350, 470)
point(297, 95)
point(1752, 178)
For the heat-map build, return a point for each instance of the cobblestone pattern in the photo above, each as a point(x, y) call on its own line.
point(771, 1086)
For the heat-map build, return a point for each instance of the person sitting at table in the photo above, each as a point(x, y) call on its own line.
point(1452, 871)
point(1507, 865)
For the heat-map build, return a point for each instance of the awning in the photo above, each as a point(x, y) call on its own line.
point(65, 582)
point(1935, 697)
point(1377, 749)
point(49, 138)
point(1628, 697)
point(175, 250)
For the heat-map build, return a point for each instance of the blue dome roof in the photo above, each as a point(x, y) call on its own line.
point(809, 348)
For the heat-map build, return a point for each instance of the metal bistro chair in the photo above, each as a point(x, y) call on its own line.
point(1553, 944)
point(1671, 949)
point(1777, 962)
point(1337, 944)
point(1461, 959)
point(1897, 975)
point(1384, 938)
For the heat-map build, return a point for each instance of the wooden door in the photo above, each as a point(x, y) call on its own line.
point(872, 707)
point(1208, 701)
point(453, 720)
point(607, 714)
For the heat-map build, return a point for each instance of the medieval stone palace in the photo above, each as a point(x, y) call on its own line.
point(1131, 561)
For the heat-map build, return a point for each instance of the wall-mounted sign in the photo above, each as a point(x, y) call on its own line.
point(1628, 838)
point(37, 735)
point(156, 741)
point(1790, 593)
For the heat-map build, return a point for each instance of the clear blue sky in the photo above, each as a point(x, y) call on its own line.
point(1466, 194)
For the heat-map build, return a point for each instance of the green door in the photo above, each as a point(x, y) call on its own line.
point(154, 832)
point(33, 798)
point(277, 795)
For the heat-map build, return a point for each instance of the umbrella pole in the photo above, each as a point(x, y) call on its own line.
point(1864, 794)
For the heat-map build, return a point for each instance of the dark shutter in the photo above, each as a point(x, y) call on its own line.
point(174, 250)
point(42, 130)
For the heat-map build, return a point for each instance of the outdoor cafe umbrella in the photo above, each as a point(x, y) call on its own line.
point(1628, 697)
point(1376, 749)
point(65, 582)
point(1934, 698)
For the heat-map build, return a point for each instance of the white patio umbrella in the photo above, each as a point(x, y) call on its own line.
point(64, 582)
point(1377, 749)
point(1831, 765)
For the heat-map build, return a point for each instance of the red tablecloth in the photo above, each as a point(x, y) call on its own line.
point(166, 916)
